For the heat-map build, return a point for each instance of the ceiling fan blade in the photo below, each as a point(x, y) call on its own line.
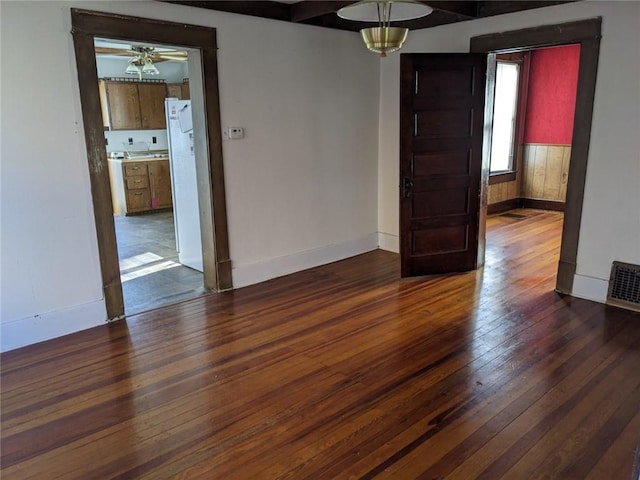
point(114, 51)
point(163, 58)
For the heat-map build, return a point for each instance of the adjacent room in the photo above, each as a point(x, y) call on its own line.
point(145, 100)
point(416, 239)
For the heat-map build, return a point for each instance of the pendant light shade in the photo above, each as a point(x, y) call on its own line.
point(132, 69)
point(384, 38)
point(150, 68)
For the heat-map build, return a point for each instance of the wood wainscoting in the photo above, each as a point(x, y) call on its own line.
point(545, 172)
point(343, 371)
point(542, 173)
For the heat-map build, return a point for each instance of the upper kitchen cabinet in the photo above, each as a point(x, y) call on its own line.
point(152, 97)
point(179, 90)
point(133, 105)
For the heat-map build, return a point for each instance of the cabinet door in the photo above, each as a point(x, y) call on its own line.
point(152, 97)
point(124, 105)
point(174, 90)
point(138, 200)
point(160, 184)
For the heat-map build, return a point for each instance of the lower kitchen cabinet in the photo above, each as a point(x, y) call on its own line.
point(160, 184)
point(140, 186)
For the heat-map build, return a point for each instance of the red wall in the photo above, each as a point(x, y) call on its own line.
point(551, 96)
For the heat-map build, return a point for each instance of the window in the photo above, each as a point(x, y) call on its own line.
point(505, 112)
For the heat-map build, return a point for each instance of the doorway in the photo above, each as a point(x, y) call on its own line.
point(86, 26)
point(587, 35)
point(151, 171)
point(531, 134)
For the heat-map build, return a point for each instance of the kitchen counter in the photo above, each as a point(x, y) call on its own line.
point(141, 159)
point(141, 184)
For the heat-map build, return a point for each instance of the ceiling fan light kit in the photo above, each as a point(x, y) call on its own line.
point(384, 38)
point(142, 62)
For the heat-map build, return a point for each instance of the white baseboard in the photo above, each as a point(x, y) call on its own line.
point(590, 288)
point(244, 275)
point(389, 242)
point(29, 330)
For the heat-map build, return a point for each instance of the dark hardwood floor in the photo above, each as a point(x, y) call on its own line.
point(343, 371)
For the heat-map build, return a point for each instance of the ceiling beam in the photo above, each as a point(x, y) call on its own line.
point(263, 9)
point(323, 13)
point(302, 11)
point(495, 7)
point(466, 9)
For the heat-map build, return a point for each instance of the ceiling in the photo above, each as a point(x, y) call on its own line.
point(323, 13)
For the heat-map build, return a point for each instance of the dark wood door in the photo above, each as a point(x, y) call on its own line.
point(442, 98)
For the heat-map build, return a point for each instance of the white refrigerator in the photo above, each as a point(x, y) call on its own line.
point(182, 160)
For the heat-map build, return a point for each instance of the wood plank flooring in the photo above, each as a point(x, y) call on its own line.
point(343, 371)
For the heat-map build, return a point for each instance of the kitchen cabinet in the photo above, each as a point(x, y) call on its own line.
point(178, 90)
point(133, 105)
point(140, 186)
point(152, 96)
point(160, 184)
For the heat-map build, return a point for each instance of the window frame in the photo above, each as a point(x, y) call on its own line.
point(522, 60)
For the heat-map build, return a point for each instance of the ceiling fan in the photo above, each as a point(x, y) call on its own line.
point(143, 58)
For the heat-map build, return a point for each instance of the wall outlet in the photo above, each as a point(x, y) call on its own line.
point(154, 140)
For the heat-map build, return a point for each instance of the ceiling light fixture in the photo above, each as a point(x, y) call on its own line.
point(384, 38)
point(142, 62)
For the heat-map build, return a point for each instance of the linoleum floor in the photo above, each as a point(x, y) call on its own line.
point(151, 273)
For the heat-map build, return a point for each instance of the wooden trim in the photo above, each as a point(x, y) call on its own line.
point(589, 54)
point(535, 37)
point(85, 26)
point(220, 251)
point(502, 177)
point(504, 206)
point(124, 27)
point(542, 204)
point(587, 34)
point(99, 174)
point(520, 202)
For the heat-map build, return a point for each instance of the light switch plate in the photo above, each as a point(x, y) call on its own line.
point(235, 133)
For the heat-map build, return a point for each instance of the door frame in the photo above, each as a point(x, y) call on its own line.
point(86, 25)
point(587, 34)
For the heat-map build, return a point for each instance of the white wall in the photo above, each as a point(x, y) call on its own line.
point(610, 227)
point(301, 187)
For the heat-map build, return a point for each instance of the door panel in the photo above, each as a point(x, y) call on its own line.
point(441, 163)
point(441, 130)
point(439, 240)
point(448, 123)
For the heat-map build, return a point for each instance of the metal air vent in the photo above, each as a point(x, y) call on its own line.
point(624, 286)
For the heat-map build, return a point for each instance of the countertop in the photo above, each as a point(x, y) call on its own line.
point(139, 159)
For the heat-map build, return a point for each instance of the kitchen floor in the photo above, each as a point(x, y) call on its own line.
point(150, 271)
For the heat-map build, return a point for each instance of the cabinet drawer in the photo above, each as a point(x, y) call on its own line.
point(137, 181)
point(138, 200)
point(131, 169)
